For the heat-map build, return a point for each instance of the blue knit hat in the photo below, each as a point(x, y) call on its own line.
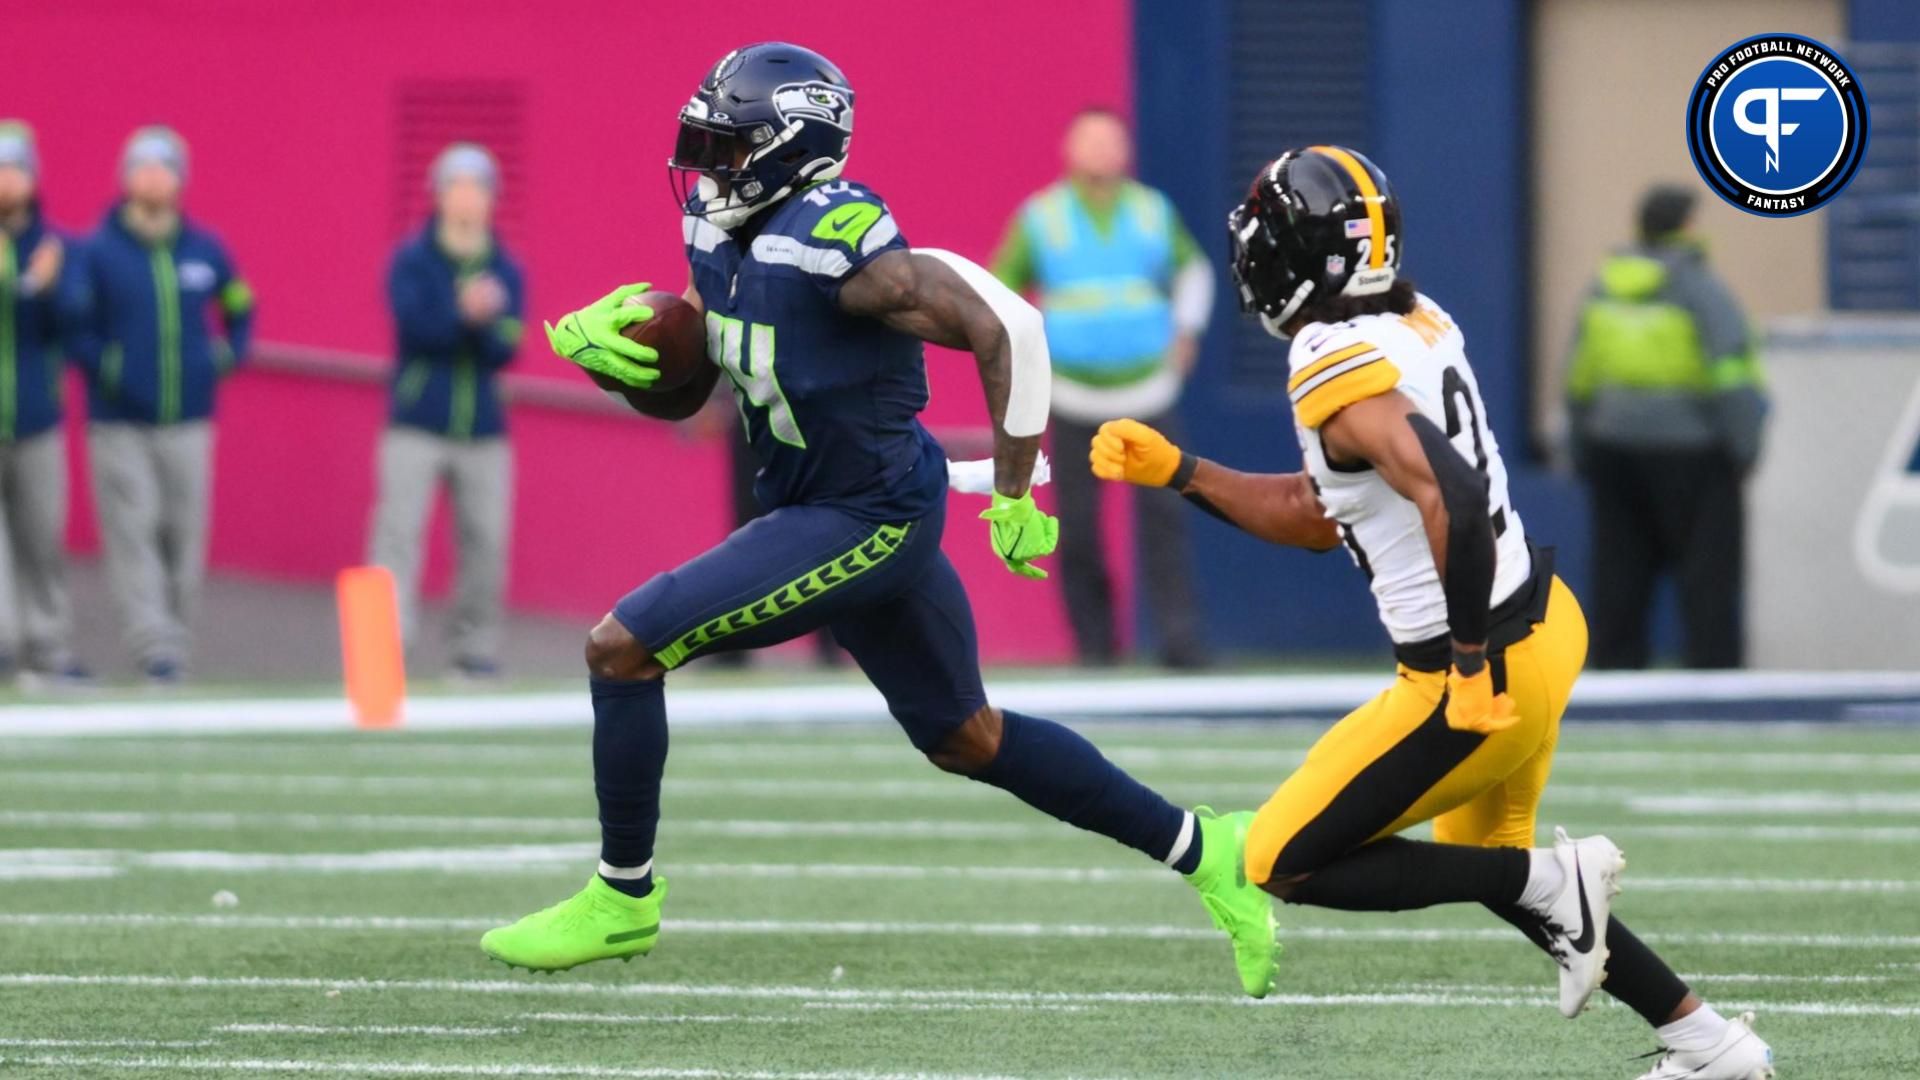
point(465, 161)
point(17, 148)
point(155, 144)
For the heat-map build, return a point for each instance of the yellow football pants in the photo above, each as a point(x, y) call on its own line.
point(1393, 762)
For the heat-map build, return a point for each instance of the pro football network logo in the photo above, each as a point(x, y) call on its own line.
point(814, 101)
point(1777, 124)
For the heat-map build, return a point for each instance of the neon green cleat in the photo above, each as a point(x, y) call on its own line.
point(1237, 905)
point(597, 923)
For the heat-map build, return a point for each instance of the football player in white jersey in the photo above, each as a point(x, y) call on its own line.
point(1403, 468)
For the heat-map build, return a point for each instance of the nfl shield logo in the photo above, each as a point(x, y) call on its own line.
point(1336, 265)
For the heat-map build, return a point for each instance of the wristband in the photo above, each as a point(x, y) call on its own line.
point(1183, 473)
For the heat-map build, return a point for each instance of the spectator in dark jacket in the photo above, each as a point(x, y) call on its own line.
point(1667, 404)
point(154, 363)
point(457, 301)
point(42, 295)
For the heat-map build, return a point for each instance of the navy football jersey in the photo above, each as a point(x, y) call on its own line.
point(830, 400)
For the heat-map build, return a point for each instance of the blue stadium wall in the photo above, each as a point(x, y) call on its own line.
point(1437, 95)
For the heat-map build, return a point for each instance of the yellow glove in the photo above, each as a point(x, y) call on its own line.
point(1131, 451)
point(1473, 706)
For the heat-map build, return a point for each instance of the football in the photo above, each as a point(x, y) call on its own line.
point(676, 332)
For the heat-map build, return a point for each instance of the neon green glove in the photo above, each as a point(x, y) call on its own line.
point(591, 338)
point(1022, 532)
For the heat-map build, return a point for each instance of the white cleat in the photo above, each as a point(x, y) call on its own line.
point(1577, 918)
point(1739, 1055)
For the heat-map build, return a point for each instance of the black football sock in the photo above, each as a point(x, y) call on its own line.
point(1397, 875)
point(1052, 769)
point(1635, 974)
point(629, 756)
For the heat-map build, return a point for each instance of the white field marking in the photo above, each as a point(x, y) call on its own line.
point(805, 994)
point(1084, 696)
point(123, 1044)
point(1870, 834)
point(426, 1068)
point(1790, 803)
point(222, 821)
point(668, 1018)
point(525, 858)
point(1695, 802)
point(549, 858)
point(1770, 885)
point(365, 1029)
point(1643, 762)
point(56, 872)
point(937, 1006)
point(312, 784)
point(777, 927)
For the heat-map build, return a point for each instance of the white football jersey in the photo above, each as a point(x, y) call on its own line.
point(1423, 355)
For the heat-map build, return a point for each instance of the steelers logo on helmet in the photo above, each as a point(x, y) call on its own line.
point(1777, 124)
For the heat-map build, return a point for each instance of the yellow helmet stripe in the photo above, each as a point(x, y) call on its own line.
point(1369, 194)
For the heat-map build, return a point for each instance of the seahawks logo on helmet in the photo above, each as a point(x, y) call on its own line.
point(814, 101)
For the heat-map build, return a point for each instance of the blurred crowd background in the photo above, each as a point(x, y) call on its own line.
point(267, 270)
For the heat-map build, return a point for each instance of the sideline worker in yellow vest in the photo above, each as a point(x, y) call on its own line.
point(1126, 293)
point(1666, 406)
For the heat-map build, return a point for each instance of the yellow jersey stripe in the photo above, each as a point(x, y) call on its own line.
point(1369, 194)
point(1325, 362)
point(1367, 380)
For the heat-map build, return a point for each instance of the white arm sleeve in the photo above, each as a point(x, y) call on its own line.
point(976, 477)
point(1192, 296)
point(1030, 396)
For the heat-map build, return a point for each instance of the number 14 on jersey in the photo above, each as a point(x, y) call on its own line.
point(745, 351)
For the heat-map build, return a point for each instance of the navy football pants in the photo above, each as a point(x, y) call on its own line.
point(889, 594)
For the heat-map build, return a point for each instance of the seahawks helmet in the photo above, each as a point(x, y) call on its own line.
point(1322, 221)
point(768, 120)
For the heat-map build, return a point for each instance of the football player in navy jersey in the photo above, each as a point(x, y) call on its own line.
point(816, 312)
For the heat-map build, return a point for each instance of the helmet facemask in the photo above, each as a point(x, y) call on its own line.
point(1267, 284)
point(727, 173)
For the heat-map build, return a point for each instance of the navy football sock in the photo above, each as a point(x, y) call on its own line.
point(1052, 769)
point(629, 755)
point(1396, 874)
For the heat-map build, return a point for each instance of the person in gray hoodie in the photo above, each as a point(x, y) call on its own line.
point(1667, 406)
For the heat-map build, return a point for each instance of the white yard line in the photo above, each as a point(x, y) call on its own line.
point(1515, 997)
point(222, 821)
point(122, 1044)
point(366, 1029)
point(1791, 803)
point(1695, 802)
point(668, 1018)
point(938, 1006)
point(908, 828)
point(255, 783)
point(1095, 696)
point(549, 858)
point(857, 928)
point(425, 1068)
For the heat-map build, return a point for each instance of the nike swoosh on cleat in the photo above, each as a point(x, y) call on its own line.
point(633, 935)
point(1584, 943)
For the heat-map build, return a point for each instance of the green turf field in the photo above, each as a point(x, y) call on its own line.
point(840, 909)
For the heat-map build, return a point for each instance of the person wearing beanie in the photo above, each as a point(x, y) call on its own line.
point(42, 301)
point(154, 362)
point(457, 299)
point(1667, 404)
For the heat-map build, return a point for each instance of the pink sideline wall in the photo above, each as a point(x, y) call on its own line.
point(287, 109)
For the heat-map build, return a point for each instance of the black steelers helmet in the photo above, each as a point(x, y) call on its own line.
point(1317, 222)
